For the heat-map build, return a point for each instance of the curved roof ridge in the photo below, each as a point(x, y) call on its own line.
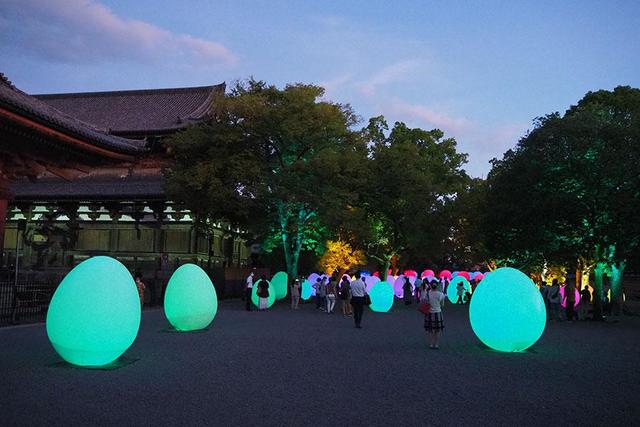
point(125, 92)
point(138, 112)
point(28, 106)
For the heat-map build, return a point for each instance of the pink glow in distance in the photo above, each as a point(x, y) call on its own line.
point(427, 273)
point(445, 274)
point(411, 273)
point(465, 275)
point(564, 302)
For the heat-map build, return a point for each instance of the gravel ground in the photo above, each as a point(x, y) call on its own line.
point(302, 368)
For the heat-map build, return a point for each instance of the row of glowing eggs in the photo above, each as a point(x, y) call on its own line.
point(507, 312)
point(94, 315)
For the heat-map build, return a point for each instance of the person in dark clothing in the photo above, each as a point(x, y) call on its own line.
point(263, 293)
point(406, 288)
point(358, 293)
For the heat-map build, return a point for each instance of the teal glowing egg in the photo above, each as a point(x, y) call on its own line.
point(190, 301)
point(307, 290)
point(452, 288)
point(507, 312)
point(280, 282)
point(94, 315)
point(254, 295)
point(381, 295)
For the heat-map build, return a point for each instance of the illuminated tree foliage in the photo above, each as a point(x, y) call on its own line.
point(271, 161)
point(413, 176)
point(570, 190)
point(340, 257)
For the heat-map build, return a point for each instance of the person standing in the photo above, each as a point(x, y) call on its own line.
point(417, 285)
point(433, 323)
point(555, 298)
point(295, 294)
point(569, 299)
point(460, 293)
point(248, 289)
point(407, 294)
point(358, 292)
point(263, 293)
point(331, 295)
point(141, 287)
point(345, 296)
point(321, 293)
point(585, 301)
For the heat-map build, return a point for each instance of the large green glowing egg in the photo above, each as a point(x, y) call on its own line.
point(452, 288)
point(190, 301)
point(307, 290)
point(507, 312)
point(256, 300)
point(94, 315)
point(280, 282)
point(381, 295)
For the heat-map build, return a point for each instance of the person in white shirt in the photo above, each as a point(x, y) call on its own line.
point(248, 289)
point(433, 323)
point(358, 292)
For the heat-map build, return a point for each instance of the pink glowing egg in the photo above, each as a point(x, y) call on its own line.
point(427, 273)
point(464, 274)
point(564, 302)
point(445, 274)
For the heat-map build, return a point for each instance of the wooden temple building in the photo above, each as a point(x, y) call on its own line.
point(82, 174)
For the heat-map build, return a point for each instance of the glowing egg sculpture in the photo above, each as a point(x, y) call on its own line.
point(370, 281)
point(307, 290)
point(255, 299)
point(313, 277)
point(564, 301)
point(515, 320)
point(452, 289)
point(94, 315)
point(280, 282)
point(381, 295)
point(190, 301)
point(445, 274)
point(398, 285)
point(427, 273)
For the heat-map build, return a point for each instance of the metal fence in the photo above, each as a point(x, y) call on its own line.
point(24, 301)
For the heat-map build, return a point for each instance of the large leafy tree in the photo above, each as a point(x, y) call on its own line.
point(412, 178)
point(271, 161)
point(570, 189)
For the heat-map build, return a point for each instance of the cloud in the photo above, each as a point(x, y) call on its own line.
point(390, 74)
point(480, 140)
point(81, 31)
point(430, 116)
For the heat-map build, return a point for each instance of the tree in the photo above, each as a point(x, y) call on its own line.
point(569, 191)
point(412, 178)
point(271, 161)
point(340, 257)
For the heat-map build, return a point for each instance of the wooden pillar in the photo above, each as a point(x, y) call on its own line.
point(5, 196)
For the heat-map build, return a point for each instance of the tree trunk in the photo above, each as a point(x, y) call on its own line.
point(385, 268)
point(617, 296)
point(598, 290)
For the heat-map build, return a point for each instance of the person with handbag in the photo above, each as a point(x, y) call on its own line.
point(345, 296)
point(331, 295)
point(263, 293)
point(358, 299)
point(433, 322)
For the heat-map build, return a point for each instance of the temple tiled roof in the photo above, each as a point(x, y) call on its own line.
point(90, 188)
point(138, 112)
point(23, 105)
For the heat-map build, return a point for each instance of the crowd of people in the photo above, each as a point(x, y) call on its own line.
point(353, 298)
point(555, 300)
